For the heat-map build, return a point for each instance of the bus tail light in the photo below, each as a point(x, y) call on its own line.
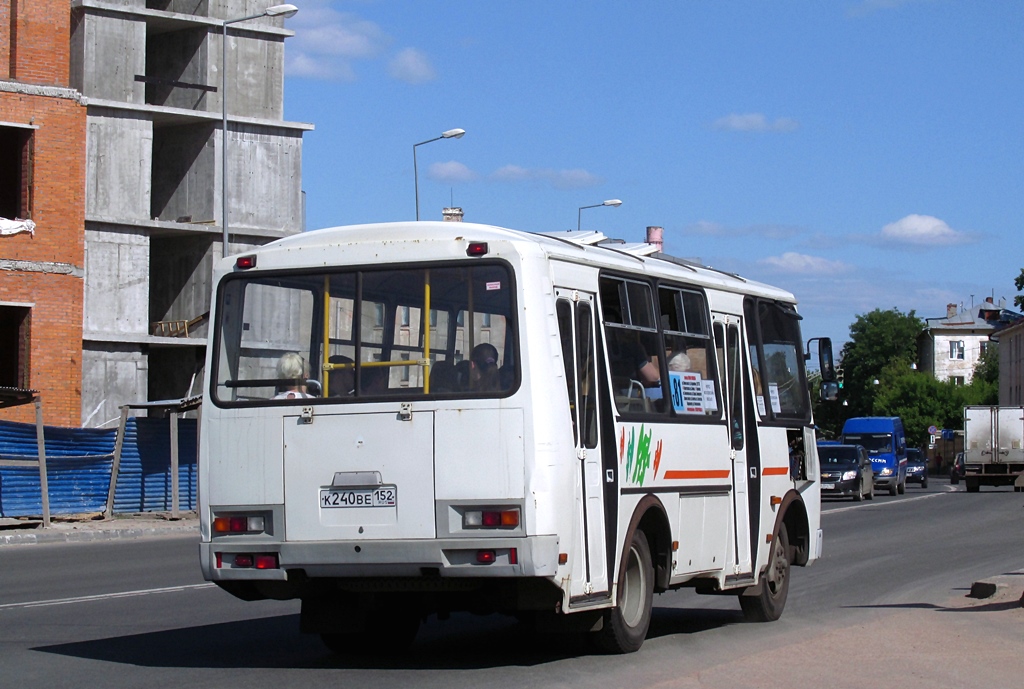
point(266, 561)
point(239, 524)
point(491, 519)
point(486, 557)
point(477, 249)
point(245, 262)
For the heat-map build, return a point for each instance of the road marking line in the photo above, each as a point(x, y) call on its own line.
point(872, 503)
point(103, 596)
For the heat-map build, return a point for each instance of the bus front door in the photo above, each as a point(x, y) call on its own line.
point(576, 324)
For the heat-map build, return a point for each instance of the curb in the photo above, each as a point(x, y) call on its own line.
point(1002, 587)
point(93, 532)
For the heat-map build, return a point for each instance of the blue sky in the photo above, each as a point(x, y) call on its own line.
point(860, 153)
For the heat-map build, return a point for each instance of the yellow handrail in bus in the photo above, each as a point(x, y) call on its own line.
point(326, 365)
point(426, 332)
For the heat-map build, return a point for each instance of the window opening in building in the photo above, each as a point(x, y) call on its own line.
point(15, 173)
point(14, 339)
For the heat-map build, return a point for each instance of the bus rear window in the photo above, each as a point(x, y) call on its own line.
point(288, 338)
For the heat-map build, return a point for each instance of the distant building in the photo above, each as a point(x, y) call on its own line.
point(42, 211)
point(1011, 364)
point(949, 348)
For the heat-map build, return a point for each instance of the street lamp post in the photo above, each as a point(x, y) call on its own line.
point(450, 134)
point(285, 11)
point(609, 202)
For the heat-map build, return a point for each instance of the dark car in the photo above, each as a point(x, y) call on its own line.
point(917, 467)
point(956, 472)
point(846, 472)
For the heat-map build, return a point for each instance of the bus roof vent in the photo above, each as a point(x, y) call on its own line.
point(642, 249)
point(583, 237)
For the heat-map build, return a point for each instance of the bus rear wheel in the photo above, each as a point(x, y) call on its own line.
point(625, 626)
point(767, 606)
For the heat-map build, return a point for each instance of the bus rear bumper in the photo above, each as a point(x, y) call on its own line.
point(532, 556)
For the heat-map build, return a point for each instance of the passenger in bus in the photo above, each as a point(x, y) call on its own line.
point(679, 362)
point(341, 382)
point(463, 371)
point(632, 361)
point(483, 376)
point(292, 371)
point(375, 380)
point(443, 377)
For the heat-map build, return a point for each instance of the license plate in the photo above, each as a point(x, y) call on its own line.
point(378, 496)
point(828, 486)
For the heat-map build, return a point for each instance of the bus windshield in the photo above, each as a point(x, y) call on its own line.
point(292, 337)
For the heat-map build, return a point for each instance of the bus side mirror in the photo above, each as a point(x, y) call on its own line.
point(829, 391)
point(825, 363)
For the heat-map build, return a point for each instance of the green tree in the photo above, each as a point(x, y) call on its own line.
point(879, 340)
point(921, 401)
point(987, 368)
point(1018, 301)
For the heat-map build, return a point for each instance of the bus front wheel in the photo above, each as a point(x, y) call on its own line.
point(768, 605)
point(625, 626)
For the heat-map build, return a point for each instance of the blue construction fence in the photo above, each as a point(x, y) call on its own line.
point(79, 462)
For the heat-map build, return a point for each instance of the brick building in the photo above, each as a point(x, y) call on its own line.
point(42, 210)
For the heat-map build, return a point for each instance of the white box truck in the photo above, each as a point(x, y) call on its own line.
point(993, 446)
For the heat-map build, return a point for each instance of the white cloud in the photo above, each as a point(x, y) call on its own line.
point(755, 122)
point(511, 173)
point(922, 230)
point(558, 179)
point(411, 66)
point(327, 42)
point(452, 171)
point(801, 264)
point(311, 67)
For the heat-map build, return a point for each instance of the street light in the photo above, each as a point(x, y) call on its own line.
point(284, 11)
point(609, 202)
point(450, 134)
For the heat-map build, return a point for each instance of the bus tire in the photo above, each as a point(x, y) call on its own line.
point(902, 487)
point(625, 625)
point(767, 606)
point(892, 489)
point(972, 484)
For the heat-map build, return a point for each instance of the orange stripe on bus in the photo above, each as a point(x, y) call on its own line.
point(775, 471)
point(717, 473)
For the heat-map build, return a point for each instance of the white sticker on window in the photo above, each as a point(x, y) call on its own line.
point(491, 286)
point(773, 394)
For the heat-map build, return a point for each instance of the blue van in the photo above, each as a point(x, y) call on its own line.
point(886, 444)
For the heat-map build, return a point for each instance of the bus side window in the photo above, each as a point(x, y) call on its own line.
point(632, 341)
point(690, 352)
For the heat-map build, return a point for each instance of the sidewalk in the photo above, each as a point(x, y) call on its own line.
point(85, 528)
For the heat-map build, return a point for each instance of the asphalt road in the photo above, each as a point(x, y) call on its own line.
point(885, 606)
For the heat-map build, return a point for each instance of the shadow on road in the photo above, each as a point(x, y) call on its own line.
point(464, 642)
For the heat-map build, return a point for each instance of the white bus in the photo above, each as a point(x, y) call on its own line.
point(409, 419)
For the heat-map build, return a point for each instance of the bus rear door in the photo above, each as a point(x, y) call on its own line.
point(576, 324)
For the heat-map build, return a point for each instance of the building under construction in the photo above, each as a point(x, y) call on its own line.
point(148, 75)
